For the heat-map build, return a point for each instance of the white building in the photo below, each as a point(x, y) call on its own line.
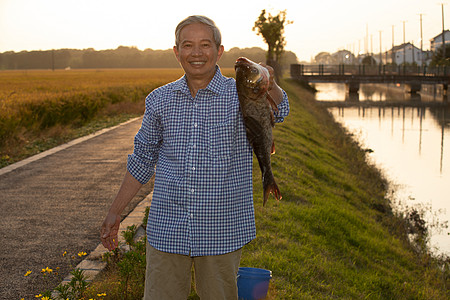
point(406, 53)
point(436, 42)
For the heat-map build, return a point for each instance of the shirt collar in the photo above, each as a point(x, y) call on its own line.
point(215, 85)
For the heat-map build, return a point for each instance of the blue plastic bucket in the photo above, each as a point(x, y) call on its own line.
point(253, 283)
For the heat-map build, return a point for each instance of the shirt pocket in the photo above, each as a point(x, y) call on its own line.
point(222, 140)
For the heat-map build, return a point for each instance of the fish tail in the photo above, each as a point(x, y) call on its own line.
point(271, 187)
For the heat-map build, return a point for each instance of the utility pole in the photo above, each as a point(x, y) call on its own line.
point(367, 40)
point(443, 32)
point(394, 60)
point(404, 44)
point(381, 50)
point(371, 45)
point(354, 49)
point(421, 42)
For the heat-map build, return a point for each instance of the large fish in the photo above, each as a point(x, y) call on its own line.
point(252, 83)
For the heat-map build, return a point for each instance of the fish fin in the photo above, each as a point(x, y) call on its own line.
point(272, 103)
point(271, 188)
point(272, 150)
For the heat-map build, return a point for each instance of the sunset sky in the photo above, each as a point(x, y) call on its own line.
point(320, 25)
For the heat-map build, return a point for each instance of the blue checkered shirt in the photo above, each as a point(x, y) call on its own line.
point(197, 148)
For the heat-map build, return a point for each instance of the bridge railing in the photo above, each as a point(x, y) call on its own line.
point(301, 70)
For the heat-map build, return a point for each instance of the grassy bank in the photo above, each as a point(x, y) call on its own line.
point(333, 235)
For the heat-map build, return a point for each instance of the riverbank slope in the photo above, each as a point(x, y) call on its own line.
point(334, 235)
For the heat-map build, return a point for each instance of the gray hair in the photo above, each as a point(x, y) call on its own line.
point(195, 20)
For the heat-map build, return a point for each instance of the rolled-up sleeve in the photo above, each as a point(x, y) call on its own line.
point(283, 109)
point(147, 142)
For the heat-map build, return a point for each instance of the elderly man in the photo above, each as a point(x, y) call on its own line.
point(193, 140)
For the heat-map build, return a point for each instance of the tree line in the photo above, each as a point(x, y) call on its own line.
point(122, 57)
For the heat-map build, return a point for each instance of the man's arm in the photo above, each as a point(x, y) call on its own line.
point(275, 93)
point(110, 227)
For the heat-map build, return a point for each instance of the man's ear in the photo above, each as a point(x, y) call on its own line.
point(220, 52)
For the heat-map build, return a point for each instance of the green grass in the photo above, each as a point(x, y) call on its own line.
point(333, 235)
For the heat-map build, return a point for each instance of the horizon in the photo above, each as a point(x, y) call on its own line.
point(356, 26)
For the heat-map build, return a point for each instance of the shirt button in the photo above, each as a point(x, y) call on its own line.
point(193, 168)
point(192, 191)
point(195, 124)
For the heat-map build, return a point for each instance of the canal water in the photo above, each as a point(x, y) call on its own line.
point(410, 145)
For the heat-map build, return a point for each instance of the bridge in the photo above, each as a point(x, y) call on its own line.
point(354, 75)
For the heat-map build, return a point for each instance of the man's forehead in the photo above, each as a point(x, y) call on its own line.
point(196, 31)
point(191, 40)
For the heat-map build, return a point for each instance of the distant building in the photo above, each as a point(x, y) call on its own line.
point(436, 42)
point(406, 53)
point(343, 57)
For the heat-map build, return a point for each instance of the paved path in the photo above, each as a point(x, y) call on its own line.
point(56, 203)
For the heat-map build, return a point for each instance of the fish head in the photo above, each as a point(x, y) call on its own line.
point(252, 79)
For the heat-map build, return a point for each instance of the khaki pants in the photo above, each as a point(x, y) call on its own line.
point(168, 276)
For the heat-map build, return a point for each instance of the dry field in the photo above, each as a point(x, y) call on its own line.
point(43, 107)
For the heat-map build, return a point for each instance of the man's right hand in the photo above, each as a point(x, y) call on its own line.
point(110, 227)
point(109, 231)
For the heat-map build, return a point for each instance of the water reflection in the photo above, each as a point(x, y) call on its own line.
point(378, 92)
point(409, 145)
point(414, 114)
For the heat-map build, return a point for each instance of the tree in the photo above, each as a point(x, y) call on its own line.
point(271, 28)
point(438, 56)
point(369, 60)
point(323, 58)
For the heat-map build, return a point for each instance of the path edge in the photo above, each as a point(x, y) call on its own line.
point(93, 264)
point(38, 156)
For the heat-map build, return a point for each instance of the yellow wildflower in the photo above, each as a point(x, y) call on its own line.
point(46, 270)
point(64, 254)
point(101, 295)
point(81, 254)
point(28, 273)
point(45, 298)
point(38, 296)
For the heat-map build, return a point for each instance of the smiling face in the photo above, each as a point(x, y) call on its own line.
point(197, 52)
